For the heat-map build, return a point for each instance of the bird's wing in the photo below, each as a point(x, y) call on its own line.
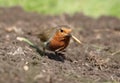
point(46, 34)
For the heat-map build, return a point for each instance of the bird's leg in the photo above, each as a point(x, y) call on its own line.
point(59, 49)
point(56, 52)
point(60, 55)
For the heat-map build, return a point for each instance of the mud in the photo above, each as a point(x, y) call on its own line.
point(97, 60)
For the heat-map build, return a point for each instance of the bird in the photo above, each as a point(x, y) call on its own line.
point(55, 39)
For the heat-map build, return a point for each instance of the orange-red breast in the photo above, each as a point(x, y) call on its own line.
point(55, 39)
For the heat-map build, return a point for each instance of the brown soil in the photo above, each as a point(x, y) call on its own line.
point(96, 61)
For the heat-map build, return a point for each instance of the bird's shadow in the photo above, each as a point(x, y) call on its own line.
point(59, 57)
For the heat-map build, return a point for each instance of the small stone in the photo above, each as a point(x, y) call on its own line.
point(25, 68)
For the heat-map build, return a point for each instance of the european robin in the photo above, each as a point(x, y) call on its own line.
point(55, 39)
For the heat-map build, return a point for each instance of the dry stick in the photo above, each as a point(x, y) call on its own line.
point(76, 39)
point(116, 52)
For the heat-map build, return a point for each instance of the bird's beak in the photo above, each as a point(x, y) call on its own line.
point(69, 30)
point(68, 33)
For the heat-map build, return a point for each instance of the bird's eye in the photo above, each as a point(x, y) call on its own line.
point(61, 30)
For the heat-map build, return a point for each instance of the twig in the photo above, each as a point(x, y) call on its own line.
point(76, 39)
point(116, 52)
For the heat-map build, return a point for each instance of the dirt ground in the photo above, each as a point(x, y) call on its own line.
point(97, 60)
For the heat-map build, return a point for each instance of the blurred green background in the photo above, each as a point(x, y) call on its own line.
point(92, 8)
